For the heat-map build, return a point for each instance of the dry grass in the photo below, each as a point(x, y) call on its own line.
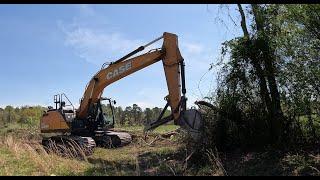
point(70, 149)
point(22, 154)
point(23, 157)
point(216, 168)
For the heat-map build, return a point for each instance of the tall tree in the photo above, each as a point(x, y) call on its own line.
point(261, 55)
point(10, 114)
point(128, 115)
point(120, 116)
point(137, 114)
point(2, 116)
point(148, 114)
point(155, 112)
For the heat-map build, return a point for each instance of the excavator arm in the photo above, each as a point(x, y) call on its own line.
point(171, 58)
point(111, 74)
point(173, 67)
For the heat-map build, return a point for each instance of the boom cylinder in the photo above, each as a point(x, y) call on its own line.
point(141, 48)
point(183, 84)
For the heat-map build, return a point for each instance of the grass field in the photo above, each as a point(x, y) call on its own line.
point(22, 154)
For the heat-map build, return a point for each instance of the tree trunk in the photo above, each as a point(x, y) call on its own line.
point(262, 55)
point(268, 59)
point(310, 121)
point(264, 93)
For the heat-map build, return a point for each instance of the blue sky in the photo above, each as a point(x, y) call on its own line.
point(49, 49)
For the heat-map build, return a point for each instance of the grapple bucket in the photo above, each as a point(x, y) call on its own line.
point(191, 120)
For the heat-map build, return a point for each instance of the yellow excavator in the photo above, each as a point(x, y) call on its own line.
point(89, 126)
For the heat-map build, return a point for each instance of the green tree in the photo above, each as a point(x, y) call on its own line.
point(2, 117)
point(137, 114)
point(261, 55)
point(128, 115)
point(148, 115)
point(298, 44)
point(156, 112)
point(270, 76)
point(30, 114)
point(10, 114)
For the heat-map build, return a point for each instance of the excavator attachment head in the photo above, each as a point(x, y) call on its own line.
point(191, 120)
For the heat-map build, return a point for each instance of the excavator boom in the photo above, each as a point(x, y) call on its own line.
point(171, 59)
point(111, 74)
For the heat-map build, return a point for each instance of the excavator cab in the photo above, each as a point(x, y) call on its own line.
point(107, 113)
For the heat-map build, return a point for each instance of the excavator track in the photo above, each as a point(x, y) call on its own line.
point(70, 145)
point(112, 139)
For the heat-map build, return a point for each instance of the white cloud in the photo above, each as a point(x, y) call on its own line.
point(98, 47)
point(192, 48)
point(148, 92)
point(93, 39)
point(152, 96)
point(100, 44)
point(198, 57)
point(86, 9)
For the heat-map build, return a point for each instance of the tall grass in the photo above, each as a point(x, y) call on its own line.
point(24, 157)
point(70, 149)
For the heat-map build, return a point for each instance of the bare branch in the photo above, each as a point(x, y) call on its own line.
point(243, 21)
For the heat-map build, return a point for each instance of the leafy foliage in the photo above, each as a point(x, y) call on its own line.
point(268, 83)
point(28, 115)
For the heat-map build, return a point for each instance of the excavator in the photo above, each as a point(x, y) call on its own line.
point(89, 126)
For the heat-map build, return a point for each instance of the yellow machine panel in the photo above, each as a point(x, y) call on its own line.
point(53, 121)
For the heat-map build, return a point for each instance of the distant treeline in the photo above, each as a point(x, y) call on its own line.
point(24, 115)
point(134, 115)
point(130, 115)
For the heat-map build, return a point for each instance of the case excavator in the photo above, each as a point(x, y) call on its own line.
point(89, 126)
